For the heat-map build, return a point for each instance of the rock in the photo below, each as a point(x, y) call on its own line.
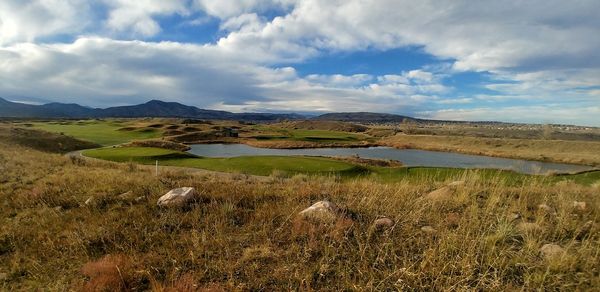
point(546, 209)
point(382, 224)
point(444, 192)
point(514, 216)
point(90, 201)
point(550, 250)
point(177, 197)
point(529, 227)
point(584, 230)
point(439, 194)
point(58, 208)
point(579, 206)
point(428, 229)
point(452, 219)
point(126, 196)
point(321, 211)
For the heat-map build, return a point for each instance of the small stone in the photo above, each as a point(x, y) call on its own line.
point(545, 208)
point(551, 250)
point(58, 208)
point(177, 197)
point(428, 229)
point(452, 219)
point(514, 216)
point(322, 211)
point(89, 201)
point(444, 192)
point(584, 230)
point(126, 195)
point(579, 206)
point(384, 223)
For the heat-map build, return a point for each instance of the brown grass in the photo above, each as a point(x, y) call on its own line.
point(578, 152)
point(243, 234)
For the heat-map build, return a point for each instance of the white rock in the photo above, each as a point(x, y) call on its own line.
point(322, 210)
point(579, 206)
point(89, 201)
point(177, 197)
point(551, 250)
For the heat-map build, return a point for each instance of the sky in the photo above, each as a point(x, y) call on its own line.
point(511, 60)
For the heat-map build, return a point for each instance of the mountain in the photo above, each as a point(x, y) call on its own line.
point(364, 117)
point(153, 108)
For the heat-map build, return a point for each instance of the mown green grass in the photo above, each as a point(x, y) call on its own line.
point(255, 165)
point(101, 132)
point(266, 165)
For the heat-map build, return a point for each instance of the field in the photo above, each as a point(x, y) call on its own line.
point(565, 151)
point(101, 132)
point(74, 224)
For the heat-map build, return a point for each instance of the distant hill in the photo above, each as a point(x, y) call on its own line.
point(364, 117)
point(153, 108)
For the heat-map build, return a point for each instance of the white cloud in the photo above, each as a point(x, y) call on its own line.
point(28, 20)
point(137, 16)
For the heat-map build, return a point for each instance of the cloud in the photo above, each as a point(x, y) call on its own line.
point(28, 20)
point(534, 54)
point(137, 17)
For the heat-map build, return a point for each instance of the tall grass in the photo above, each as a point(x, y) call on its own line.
point(242, 233)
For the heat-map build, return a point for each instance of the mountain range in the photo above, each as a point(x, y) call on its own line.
point(153, 108)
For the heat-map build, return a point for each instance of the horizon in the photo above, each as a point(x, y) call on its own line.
point(458, 61)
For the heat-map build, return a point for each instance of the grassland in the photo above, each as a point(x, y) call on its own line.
point(105, 133)
point(577, 152)
point(243, 233)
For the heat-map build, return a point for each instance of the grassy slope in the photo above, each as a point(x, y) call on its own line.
point(579, 152)
point(243, 234)
point(100, 132)
point(42, 140)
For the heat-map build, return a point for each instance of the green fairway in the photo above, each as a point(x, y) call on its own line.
point(265, 165)
point(101, 132)
point(256, 165)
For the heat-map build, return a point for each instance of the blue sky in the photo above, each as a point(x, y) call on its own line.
point(533, 61)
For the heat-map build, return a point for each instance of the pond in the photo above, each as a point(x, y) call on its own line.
point(408, 157)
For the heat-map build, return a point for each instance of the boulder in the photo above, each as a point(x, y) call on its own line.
point(550, 251)
point(177, 197)
point(321, 211)
point(428, 229)
point(444, 192)
point(382, 224)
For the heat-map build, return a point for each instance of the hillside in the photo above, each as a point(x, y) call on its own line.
point(153, 108)
point(364, 117)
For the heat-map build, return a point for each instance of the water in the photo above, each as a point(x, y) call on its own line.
point(408, 157)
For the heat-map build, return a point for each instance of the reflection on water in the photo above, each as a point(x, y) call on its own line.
point(408, 157)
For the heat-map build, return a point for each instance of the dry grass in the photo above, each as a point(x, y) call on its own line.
point(578, 152)
point(242, 232)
